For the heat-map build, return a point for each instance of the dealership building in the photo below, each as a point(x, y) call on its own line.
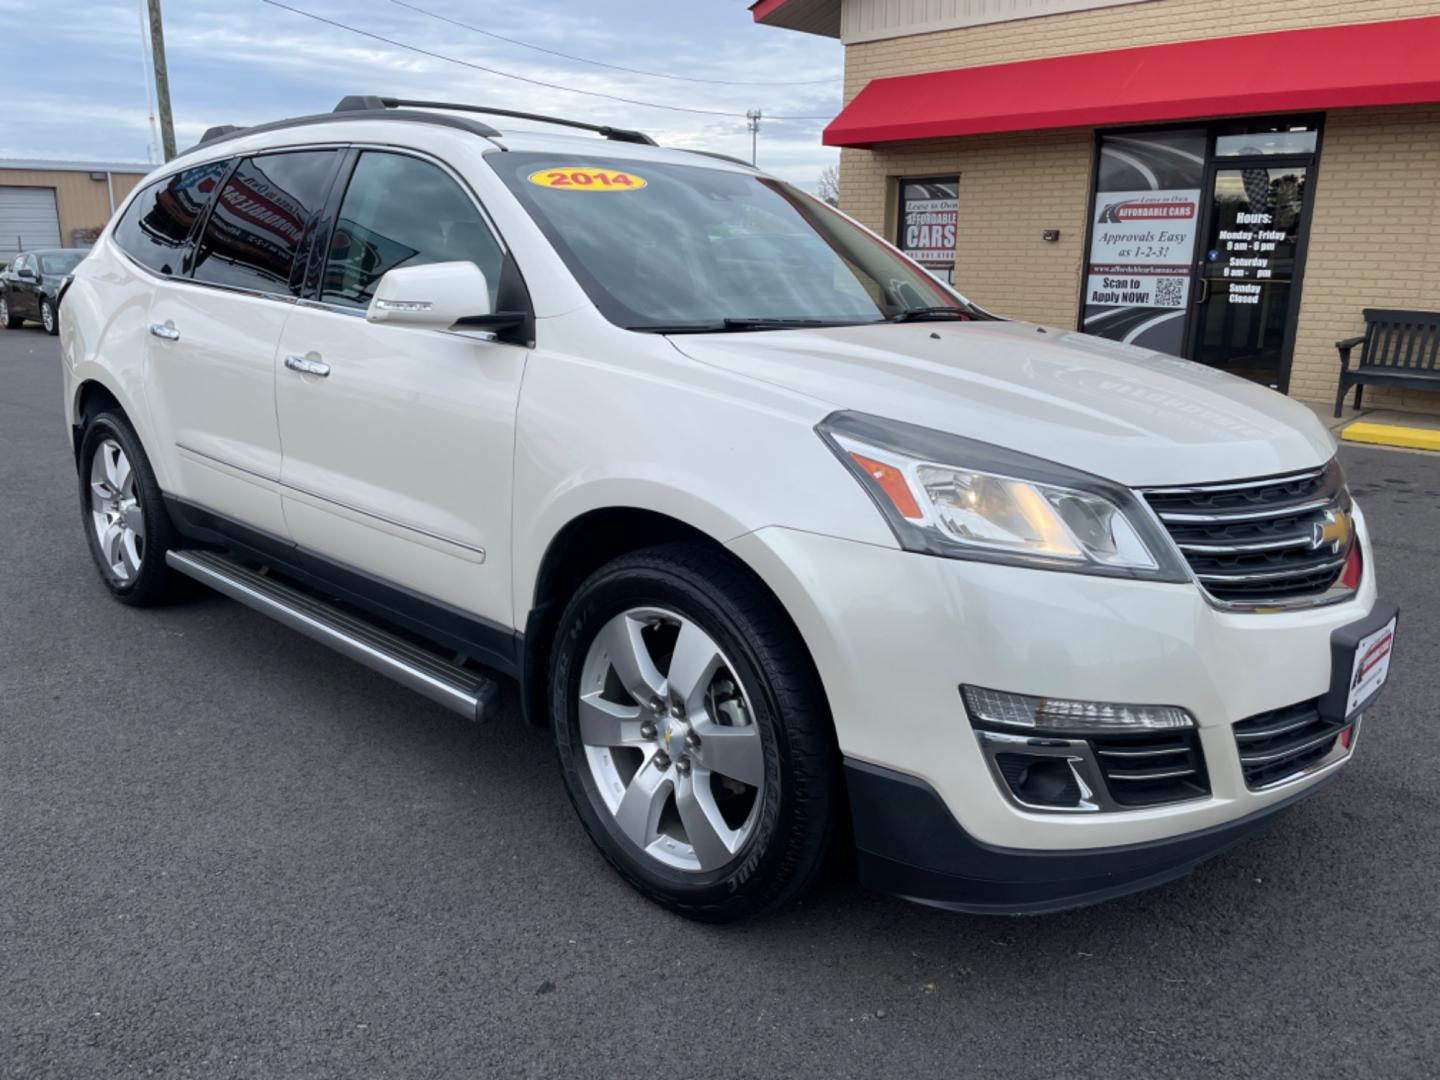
point(1225, 180)
point(48, 204)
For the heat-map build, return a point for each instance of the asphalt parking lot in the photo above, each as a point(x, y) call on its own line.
point(228, 852)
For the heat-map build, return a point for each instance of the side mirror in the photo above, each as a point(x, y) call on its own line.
point(26, 273)
point(437, 295)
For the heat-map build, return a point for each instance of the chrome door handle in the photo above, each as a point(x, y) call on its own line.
point(165, 330)
point(306, 366)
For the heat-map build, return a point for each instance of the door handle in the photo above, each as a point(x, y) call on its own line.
point(306, 366)
point(165, 330)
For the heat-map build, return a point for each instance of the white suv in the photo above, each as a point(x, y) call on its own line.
point(792, 547)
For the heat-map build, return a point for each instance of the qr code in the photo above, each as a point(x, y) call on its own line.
point(1169, 292)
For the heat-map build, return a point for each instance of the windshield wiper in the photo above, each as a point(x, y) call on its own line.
point(742, 325)
point(679, 328)
point(778, 324)
point(924, 314)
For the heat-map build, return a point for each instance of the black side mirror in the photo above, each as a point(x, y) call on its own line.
point(27, 273)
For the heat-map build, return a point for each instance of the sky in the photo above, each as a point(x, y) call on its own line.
point(77, 83)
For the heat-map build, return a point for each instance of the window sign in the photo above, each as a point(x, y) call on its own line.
point(929, 215)
point(1142, 240)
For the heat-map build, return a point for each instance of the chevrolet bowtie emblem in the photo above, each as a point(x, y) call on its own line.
point(1333, 531)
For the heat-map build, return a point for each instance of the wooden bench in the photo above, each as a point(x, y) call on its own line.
point(1400, 348)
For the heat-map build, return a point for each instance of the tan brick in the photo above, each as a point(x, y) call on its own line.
point(1375, 230)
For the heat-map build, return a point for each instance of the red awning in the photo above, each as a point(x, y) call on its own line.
point(1332, 67)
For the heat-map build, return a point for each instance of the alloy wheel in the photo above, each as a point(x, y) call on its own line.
point(115, 511)
point(4, 312)
point(671, 739)
point(47, 317)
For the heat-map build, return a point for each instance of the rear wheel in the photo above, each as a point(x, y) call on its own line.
point(9, 318)
point(693, 735)
point(47, 317)
point(125, 520)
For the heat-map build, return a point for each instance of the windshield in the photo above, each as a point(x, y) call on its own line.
point(61, 262)
point(675, 248)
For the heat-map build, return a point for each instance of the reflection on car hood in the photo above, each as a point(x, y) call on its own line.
point(1126, 413)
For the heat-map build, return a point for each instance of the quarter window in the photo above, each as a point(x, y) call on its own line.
point(156, 227)
point(256, 230)
point(401, 211)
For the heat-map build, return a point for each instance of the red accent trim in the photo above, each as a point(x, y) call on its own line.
point(762, 9)
point(1354, 568)
point(1332, 67)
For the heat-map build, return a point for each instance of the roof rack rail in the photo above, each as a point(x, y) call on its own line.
point(219, 131)
point(723, 157)
point(358, 103)
point(230, 131)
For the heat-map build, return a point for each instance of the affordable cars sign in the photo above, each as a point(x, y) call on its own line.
point(1143, 227)
point(1140, 248)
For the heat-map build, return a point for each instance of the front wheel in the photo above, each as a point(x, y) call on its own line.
point(693, 734)
point(48, 319)
point(10, 320)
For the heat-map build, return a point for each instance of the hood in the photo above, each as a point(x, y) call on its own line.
point(1128, 414)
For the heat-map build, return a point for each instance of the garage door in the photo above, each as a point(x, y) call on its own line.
point(28, 219)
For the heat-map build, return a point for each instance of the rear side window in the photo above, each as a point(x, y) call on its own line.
point(157, 224)
point(401, 211)
point(255, 232)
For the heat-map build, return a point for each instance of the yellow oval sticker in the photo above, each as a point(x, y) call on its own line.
point(570, 178)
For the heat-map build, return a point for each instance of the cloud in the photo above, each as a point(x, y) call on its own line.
point(243, 61)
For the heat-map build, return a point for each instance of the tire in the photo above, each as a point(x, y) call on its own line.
point(11, 321)
point(132, 561)
point(759, 714)
point(48, 318)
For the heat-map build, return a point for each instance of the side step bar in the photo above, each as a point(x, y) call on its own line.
point(469, 693)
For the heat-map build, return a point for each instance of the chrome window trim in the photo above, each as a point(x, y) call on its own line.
point(428, 158)
point(109, 233)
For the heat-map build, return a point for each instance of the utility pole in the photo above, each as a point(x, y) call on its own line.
point(753, 116)
point(162, 80)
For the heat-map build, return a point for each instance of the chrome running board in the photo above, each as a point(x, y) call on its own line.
point(471, 694)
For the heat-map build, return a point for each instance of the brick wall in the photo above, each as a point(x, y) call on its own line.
point(1374, 240)
point(1375, 235)
point(1012, 188)
point(1154, 23)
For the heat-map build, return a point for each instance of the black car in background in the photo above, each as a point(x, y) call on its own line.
point(30, 286)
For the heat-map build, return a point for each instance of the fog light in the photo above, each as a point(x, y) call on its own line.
point(1040, 781)
point(1064, 715)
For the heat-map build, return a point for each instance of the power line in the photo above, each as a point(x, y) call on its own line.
point(519, 78)
point(601, 63)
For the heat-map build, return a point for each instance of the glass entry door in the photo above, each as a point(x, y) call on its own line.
point(1250, 264)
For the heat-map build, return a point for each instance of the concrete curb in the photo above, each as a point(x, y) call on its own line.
point(1411, 438)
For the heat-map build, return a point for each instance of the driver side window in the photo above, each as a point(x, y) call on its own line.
point(401, 211)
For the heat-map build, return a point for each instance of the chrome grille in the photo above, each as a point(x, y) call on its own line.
point(1152, 768)
point(1281, 744)
point(1272, 540)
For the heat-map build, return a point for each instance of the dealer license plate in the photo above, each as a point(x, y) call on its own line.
point(1371, 665)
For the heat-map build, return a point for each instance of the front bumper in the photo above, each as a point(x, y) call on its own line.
point(894, 635)
point(907, 843)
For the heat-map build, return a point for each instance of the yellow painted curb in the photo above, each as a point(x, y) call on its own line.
point(1391, 435)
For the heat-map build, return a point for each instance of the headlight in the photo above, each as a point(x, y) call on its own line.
point(947, 495)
